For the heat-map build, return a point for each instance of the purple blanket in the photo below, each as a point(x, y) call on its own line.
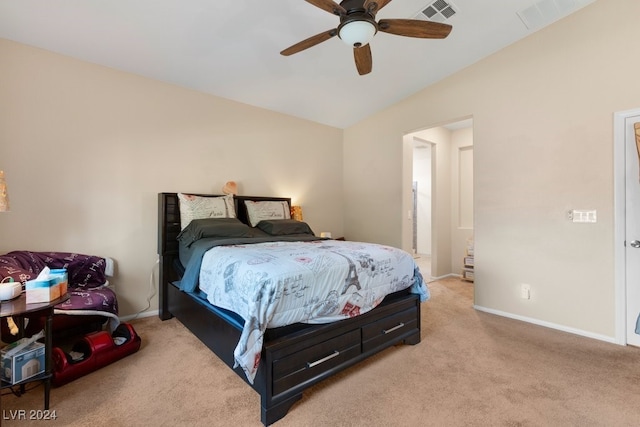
point(84, 271)
point(102, 299)
point(86, 274)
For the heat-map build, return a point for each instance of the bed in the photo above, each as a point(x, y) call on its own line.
point(292, 356)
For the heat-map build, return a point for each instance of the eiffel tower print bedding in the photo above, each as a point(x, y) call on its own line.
point(279, 283)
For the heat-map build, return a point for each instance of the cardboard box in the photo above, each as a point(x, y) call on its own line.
point(22, 364)
point(42, 290)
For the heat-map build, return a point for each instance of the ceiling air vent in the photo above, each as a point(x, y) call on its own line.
point(438, 11)
point(544, 12)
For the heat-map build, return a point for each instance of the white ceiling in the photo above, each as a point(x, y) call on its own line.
point(231, 48)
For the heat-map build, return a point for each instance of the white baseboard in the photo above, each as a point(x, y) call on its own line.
point(140, 315)
point(550, 325)
point(433, 279)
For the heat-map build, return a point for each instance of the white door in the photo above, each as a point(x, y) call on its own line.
point(632, 227)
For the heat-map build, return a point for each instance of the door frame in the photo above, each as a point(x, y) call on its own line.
point(432, 182)
point(619, 178)
point(414, 190)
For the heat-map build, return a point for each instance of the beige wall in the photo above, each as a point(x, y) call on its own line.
point(86, 149)
point(543, 141)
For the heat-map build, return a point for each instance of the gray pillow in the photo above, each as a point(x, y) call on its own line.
point(281, 227)
point(213, 227)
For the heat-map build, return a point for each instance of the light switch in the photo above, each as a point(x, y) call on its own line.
point(584, 216)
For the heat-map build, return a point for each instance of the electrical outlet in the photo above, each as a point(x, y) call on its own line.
point(525, 291)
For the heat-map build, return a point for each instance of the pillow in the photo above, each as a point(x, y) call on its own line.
point(213, 227)
point(196, 207)
point(281, 227)
point(258, 211)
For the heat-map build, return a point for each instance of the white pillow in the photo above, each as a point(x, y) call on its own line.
point(196, 207)
point(257, 211)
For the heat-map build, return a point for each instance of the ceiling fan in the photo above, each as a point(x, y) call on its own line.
point(358, 26)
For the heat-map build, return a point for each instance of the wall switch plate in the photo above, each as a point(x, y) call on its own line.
point(583, 216)
point(525, 291)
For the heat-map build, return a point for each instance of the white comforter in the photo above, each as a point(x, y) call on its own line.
point(279, 283)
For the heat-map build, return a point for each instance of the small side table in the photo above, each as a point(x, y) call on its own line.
point(20, 309)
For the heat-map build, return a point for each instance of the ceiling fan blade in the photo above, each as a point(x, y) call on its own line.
point(373, 6)
point(310, 42)
point(329, 5)
point(415, 28)
point(362, 55)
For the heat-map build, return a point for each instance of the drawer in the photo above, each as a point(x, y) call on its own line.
point(389, 329)
point(312, 361)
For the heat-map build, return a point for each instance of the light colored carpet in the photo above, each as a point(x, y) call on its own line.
point(471, 369)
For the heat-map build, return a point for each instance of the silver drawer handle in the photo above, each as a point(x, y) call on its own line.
point(388, 331)
point(324, 359)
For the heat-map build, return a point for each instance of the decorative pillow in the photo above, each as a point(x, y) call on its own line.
point(281, 227)
point(197, 207)
point(258, 211)
point(213, 227)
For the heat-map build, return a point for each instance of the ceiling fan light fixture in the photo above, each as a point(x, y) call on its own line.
point(357, 33)
point(358, 26)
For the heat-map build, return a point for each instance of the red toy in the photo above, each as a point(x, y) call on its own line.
point(93, 352)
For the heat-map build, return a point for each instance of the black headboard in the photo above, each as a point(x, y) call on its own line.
point(169, 228)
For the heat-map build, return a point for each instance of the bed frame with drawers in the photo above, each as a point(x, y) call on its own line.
point(294, 357)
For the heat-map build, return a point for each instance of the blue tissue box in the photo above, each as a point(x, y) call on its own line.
point(60, 276)
point(42, 290)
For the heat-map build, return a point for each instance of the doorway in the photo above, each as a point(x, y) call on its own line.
point(440, 187)
point(627, 230)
